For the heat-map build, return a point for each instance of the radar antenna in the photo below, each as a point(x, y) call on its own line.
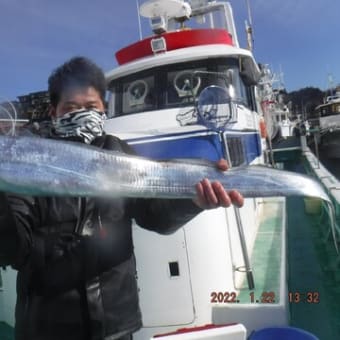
point(160, 11)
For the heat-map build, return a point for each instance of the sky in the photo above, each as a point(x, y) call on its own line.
point(297, 37)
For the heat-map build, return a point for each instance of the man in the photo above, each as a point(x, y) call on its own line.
point(74, 256)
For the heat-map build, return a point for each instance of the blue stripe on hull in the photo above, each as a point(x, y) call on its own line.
point(252, 146)
point(207, 147)
point(202, 146)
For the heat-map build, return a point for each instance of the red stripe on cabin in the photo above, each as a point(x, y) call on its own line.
point(174, 41)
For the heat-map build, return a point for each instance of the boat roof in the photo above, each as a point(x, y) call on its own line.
point(214, 38)
point(184, 55)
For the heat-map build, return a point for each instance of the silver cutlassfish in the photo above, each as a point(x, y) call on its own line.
point(36, 166)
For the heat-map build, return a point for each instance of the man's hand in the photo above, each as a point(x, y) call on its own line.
point(212, 195)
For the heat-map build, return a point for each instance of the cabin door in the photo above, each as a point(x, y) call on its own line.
point(163, 278)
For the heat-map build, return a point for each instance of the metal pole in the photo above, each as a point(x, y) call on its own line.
point(139, 22)
point(271, 153)
point(315, 135)
point(249, 272)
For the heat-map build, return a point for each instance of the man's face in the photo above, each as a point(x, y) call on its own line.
point(77, 99)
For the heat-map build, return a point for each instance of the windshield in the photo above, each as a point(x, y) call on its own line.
point(175, 85)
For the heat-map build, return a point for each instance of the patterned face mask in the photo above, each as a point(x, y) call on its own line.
point(85, 124)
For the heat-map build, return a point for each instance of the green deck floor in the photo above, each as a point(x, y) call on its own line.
point(313, 267)
point(266, 256)
point(311, 270)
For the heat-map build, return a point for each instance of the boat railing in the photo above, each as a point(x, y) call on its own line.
point(332, 186)
point(219, 7)
point(9, 126)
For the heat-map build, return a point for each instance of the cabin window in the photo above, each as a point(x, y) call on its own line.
point(183, 86)
point(111, 103)
point(237, 88)
point(138, 95)
point(176, 85)
point(236, 151)
point(328, 110)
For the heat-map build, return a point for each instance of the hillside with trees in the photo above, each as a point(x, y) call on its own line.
point(305, 100)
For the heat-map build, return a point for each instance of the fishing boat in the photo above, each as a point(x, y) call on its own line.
point(275, 112)
point(190, 91)
point(328, 123)
point(226, 266)
point(10, 118)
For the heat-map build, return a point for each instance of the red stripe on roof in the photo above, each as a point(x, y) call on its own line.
point(174, 41)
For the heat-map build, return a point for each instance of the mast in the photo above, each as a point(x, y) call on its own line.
point(139, 22)
point(249, 29)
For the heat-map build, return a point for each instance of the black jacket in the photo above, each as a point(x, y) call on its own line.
point(74, 256)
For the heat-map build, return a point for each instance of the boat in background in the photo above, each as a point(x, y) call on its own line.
point(328, 124)
point(11, 119)
point(30, 111)
point(190, 91)
point(276, 113)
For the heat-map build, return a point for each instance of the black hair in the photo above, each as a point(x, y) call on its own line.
point(77, 72)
